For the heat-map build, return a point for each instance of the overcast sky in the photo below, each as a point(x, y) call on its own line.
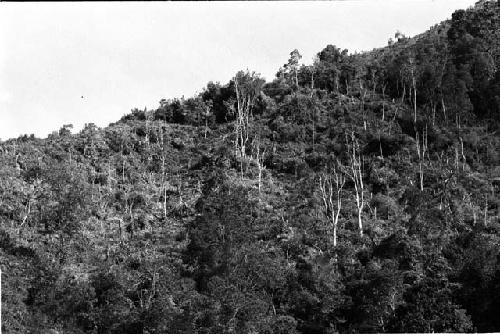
point(124, 55)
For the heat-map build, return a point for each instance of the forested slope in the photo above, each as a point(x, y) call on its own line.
point(356, 194)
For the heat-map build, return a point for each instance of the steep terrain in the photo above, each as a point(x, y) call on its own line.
point(356, 194)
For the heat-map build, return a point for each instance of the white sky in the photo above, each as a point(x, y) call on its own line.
point(124, 55)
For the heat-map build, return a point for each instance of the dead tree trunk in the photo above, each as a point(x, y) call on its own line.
point(332, 204)
point(247, 88)
point(259, 159)
point(163, 185)
point(421, 151)
point(244, 104)
point(356, 174)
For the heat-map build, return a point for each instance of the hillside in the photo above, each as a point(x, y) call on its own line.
point(356, 194)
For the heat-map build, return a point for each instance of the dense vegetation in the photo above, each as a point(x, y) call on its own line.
point(356, 194)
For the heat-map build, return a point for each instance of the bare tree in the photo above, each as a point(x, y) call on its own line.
point(409, 74)
point(260, 155)
point(331, 186)
point(464, 160)
point(412, 70)
point(208, 108)
point(356, 174)
point(247, 88)
point(421, 152)
point(383, 101)
point(164, 185)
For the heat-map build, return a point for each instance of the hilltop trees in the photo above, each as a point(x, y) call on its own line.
point(218, 95)
point(291, 69)
point(333, 69)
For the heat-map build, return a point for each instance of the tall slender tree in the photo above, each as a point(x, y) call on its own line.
point(330, 186)
point(356, 175)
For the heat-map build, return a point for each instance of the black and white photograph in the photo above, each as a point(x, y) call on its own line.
point(250, 167)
